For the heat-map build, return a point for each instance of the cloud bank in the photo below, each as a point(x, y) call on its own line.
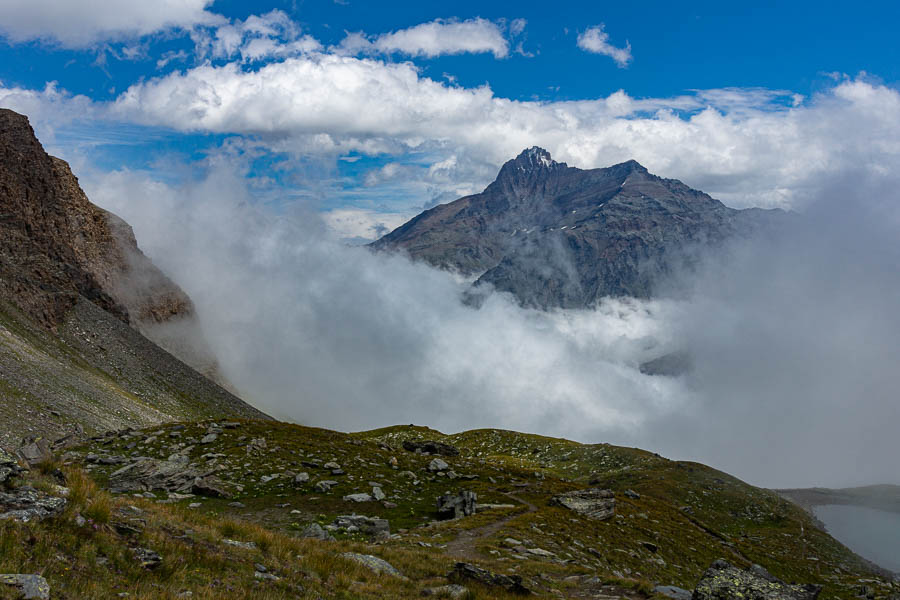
point(82, 23)
point(793, 338)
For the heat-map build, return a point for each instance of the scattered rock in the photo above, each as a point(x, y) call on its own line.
point(301, 478)
point(378, 493)
point(453, 590)
point(455, 506)
point(331, 466)
point(430, 447)
point(631, 494)
point(437, 465)
point(468, 572)
point(675, 593)
point(28, 504)
point(30, 587)
point(593, 503)
point(265, 576)
point(540, 552)
point(146, 558)
point(722, 581)
point(209, 438)
point(374, 564)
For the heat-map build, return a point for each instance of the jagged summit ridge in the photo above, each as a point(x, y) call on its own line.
point(560, 236)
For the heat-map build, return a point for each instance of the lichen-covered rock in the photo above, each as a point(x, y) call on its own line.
point(28, 504)
point(723, 581)
point(455, 506)
point(30, 587)
point(374, 564)
point(468, 572)
point(593, 503)
point(9, 466)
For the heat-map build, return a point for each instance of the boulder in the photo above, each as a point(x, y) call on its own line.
point(430, 447)
point(468, 572)
point(437, 465)
point(455, 506)
point(593, 503)
point(723, 581)
point(373, 563)
point(34, 451)
point(30, 587)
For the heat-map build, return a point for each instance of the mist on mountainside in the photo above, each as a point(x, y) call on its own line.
point(793, 340)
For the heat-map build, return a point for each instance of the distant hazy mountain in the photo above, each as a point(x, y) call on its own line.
point(555, 235)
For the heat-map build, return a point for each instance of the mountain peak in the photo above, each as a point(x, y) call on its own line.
point(529, 162)
point(535, 157)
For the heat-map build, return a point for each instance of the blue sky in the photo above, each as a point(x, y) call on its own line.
point(127, 81)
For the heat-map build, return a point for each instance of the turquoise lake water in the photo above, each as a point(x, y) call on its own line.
point(873, 534)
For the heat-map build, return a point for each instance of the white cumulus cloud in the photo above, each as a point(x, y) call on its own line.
point(596, 40)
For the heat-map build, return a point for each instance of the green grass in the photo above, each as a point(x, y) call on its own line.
point(691, 513)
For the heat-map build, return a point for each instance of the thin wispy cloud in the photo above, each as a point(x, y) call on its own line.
point(436, 38)
point(596, 40)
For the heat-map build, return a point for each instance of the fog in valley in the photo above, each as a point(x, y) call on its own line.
point(793, 337)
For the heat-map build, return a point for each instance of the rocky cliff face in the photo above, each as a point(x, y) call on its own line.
point(558, 236)
point(55, 246)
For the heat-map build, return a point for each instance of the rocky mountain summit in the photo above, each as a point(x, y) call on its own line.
point(559, 236)
point(56, 247)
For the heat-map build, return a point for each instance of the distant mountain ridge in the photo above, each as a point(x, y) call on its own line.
point(559, 236)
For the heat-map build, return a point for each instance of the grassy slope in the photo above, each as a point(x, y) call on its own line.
point(694, 515)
